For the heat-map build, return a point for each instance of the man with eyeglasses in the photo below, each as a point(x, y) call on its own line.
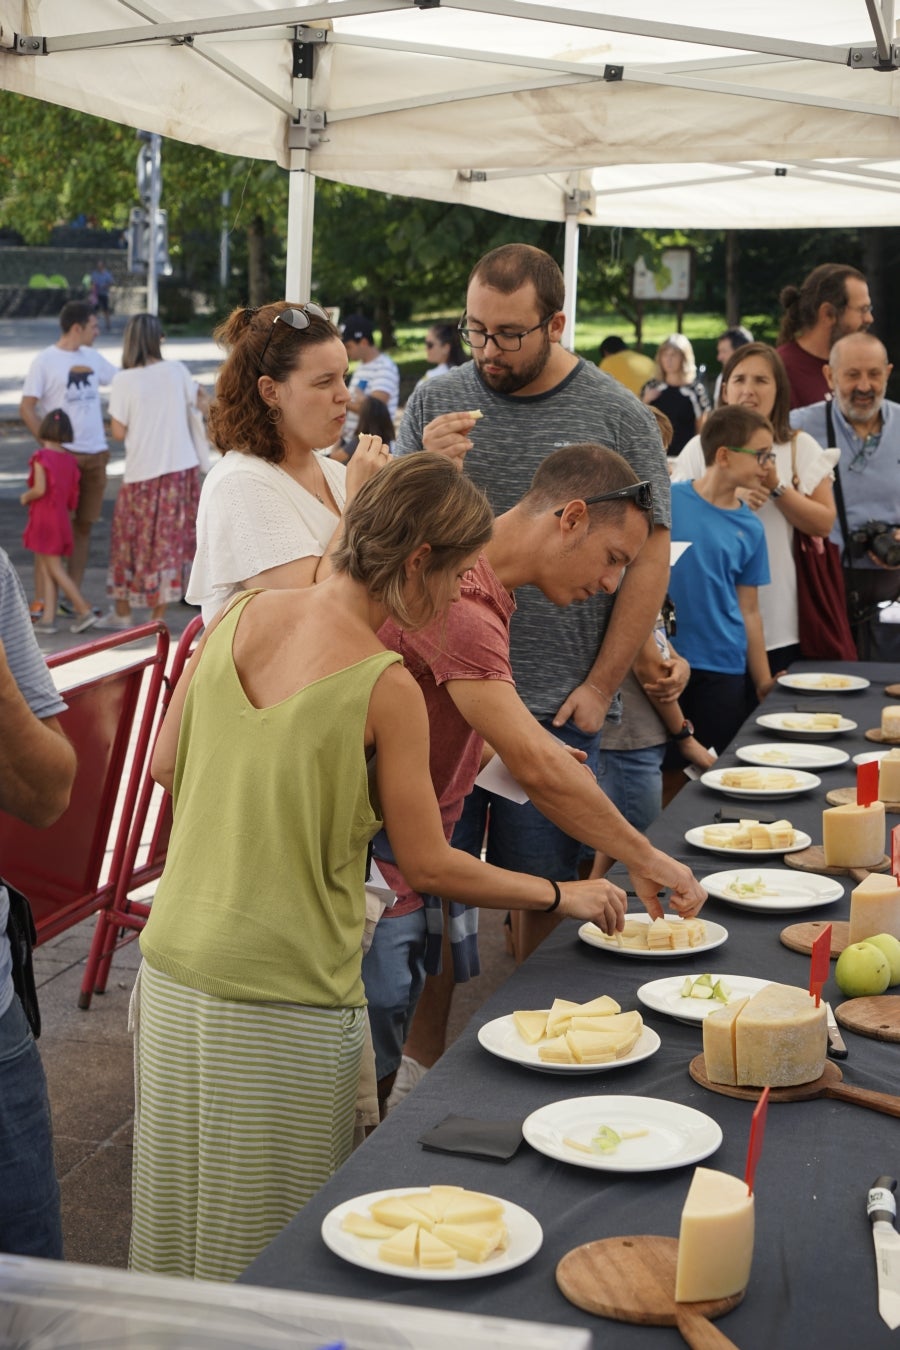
point(584, 519)
point(832, 302)
point(532, 396)
point(865, 426)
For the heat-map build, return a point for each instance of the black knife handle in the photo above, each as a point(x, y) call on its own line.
point(880, 1202)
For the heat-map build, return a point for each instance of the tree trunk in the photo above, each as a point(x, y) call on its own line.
point(384, 319)
point(257, 268)
point(732, 283)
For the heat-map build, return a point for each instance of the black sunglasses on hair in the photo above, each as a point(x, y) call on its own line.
point(640, 493)
point(294, 318)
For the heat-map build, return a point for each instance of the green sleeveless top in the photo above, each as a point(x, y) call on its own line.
point(262, 895)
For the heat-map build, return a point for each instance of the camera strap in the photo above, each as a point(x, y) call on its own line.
point(838, 487)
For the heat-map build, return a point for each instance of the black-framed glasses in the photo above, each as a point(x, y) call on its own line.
point(640, 493)
point(294, 318)
point(763, 457)
point(504, 342)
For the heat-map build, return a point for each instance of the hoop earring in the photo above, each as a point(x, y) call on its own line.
point(273, 413)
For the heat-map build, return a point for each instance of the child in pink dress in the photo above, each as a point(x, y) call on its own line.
point(51, 497)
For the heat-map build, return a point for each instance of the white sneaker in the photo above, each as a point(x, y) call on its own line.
point(410, 1073)
point(117, 622)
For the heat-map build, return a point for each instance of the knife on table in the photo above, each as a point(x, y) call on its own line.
point(836, 1047)
point(881, 1208)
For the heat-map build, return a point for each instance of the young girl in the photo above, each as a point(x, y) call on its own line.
point(52, 495)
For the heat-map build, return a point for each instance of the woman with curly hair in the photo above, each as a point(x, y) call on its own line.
point(270, 511)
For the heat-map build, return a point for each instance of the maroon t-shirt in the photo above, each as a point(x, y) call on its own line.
point(806, 374)
point(471, 642)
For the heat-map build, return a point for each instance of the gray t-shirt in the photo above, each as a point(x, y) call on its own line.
point(552, 649)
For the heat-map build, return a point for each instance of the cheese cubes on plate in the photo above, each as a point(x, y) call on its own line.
point(750, 834)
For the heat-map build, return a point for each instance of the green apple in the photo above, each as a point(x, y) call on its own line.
point(887, 943)
point(862, 969)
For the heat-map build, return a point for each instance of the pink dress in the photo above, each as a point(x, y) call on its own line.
point(49, 528)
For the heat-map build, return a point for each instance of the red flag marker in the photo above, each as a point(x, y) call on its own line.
point(820, 963)
point(757, 1133)
point(867, 783)
point(895, 853)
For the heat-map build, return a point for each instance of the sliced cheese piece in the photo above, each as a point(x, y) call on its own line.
point(400, 1250)
point(556, 1051)
point(531, 1026)
point(715, 1244)
point(875, 907)
point(473, 1242)
point(590, 1048)
point(395, 1211)
point(559, 1016)
point(433, 1253)
point(626, 1021)
point(604, 1006)
point(853, 835)
point(889, 777)
point(360, 1225)
point(659, 935)
point(473, 1207)
point(780, 1038)
point(718, 1043)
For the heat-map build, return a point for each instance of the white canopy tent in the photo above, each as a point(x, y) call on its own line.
point(574, 110)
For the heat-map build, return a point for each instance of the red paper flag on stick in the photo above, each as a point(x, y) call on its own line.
point(820, 963)
point(757, 1132)
point(895, 852)
point(867, 783)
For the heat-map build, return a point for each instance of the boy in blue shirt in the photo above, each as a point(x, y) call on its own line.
point(714, 586)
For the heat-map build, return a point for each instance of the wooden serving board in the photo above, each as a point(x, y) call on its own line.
point(877, 1016)
point(831, 1084)
point(877, 735)
point(632, 1279)
point(799, 937)
point(846, 796)
point(892, 690)
point(812, 859)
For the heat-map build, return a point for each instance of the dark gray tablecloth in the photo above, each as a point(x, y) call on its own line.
point(813, 1282)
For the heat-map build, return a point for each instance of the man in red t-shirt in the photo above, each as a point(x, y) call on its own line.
point(832, 302)
point(583, 520)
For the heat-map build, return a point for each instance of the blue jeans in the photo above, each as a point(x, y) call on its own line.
point(519, 837)
point(30, 1222)
point(632, 780)
point(393, 971)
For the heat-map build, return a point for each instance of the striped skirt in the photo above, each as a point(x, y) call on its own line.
point(243, 1111)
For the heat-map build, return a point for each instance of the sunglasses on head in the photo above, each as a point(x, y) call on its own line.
point(294, 318)
point(640, 493)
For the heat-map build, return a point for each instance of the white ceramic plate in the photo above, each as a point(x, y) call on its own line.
point(525, 1238)
point(867, 756)
point(664, 996)
point(775, 722)
point(676, 1135)
point(695, 837)
point(501, 1038)
point(792, 890)
point(805, 782)
point(781, 756)
point(811, 682)
point(594, 937)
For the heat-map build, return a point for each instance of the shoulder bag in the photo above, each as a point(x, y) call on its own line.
point(823, 625)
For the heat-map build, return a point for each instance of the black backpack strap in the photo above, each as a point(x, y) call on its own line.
point(838, 487)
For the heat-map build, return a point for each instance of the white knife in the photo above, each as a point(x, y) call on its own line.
point(881, 1208)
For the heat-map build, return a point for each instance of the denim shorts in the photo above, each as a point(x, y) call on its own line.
point(30, 1222)
point(632, 780)
point(393, 971)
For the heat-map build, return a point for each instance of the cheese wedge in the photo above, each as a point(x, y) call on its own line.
point(360, 1225)
point(472, 1243)
point(400, 1250)
point(715, 1244)
point(588, 1048)
point(559, 1016)
point(718, 1043)
point(604, 1006)
point(890, 723)
point(395, 1212)
point(473, 1207)
point(556, 1051)
point(853, 835)
point(889, 777)
point(874, 907)
point(626, 1021)
point(433, 1253)
point(531, 1026)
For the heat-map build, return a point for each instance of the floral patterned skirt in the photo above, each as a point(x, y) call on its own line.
point(154, 538)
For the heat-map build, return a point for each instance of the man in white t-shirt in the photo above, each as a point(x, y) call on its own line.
point(375, 376)
point(69, 375)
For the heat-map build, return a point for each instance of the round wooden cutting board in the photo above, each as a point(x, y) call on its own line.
point(877, 735)
point(830, 1084)
point(892, 690)
point(846, 796)
point(878, 1016)
point(799, 937)
point(812, 859)
point(632, 1279)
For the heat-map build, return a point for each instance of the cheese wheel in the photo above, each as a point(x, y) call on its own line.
point(889, 777)
point(890, 723)
point(853, 835)
point(777, 1038)
point(718, 1043)
point(715, 1244)
point(874, 907)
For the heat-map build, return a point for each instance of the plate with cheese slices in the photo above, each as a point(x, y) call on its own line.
point(691, 1000)
point(749, 838)
point(576, 1044)
point(775, 890)
point(753, 781)
point(646, 938)
point(622, 1134)
point(432, 1233)
point(816, 726)
point(793, 756)
point(822, 682)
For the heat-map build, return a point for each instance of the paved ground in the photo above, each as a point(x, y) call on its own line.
point(87, 1055)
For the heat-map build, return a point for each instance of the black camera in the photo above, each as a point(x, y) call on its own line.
point(877, 537)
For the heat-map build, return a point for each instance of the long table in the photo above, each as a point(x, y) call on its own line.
point(813, 1282)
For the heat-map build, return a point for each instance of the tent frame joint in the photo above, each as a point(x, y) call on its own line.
point(307, 129)
point(868, 58)
point(612, 74)
point(28, 44)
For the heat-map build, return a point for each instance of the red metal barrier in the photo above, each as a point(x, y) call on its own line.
point(59, 868)
point(121, 919)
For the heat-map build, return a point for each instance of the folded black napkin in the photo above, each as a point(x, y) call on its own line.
point(497, 1139)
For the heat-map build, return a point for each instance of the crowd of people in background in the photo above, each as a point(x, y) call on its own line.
point(390, 596)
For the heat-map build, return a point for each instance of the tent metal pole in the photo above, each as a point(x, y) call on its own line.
point(301, 205)
point(570, 270)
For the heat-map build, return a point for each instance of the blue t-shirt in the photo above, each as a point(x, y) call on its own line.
point(728, 549)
